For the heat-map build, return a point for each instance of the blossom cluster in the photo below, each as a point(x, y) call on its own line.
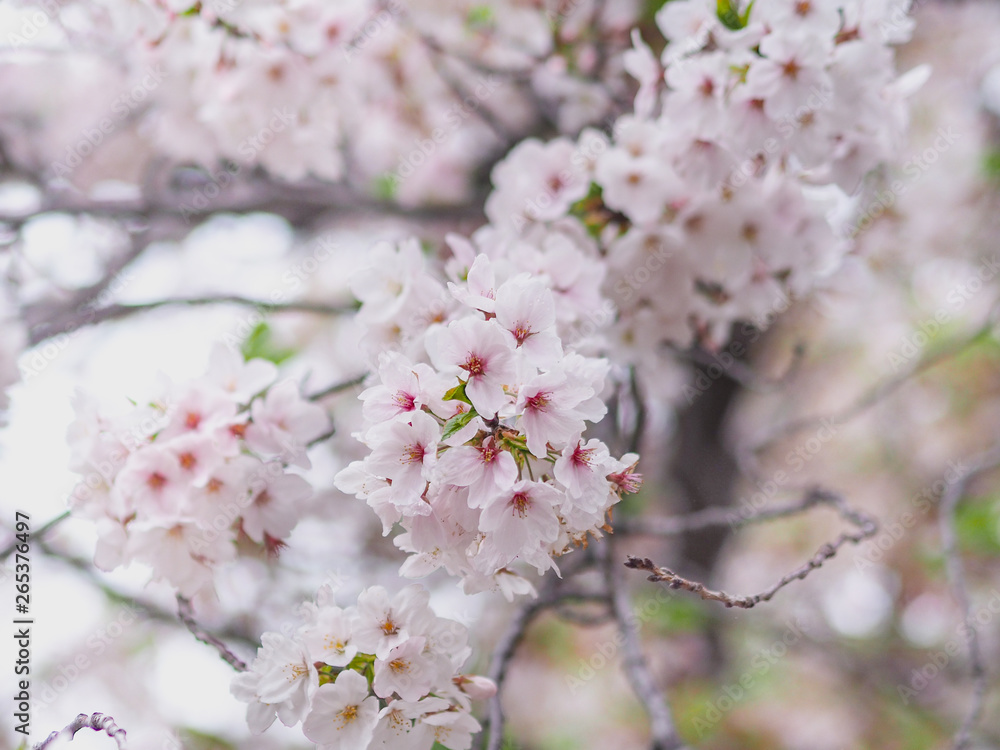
point(395, 90)
point(713, 199)
point(177, 483)
point(475, 431)
point(382, 674)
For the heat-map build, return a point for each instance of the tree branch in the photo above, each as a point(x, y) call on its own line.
point(873, 396)
point(37, 534)
point(186, 614)
point(719, 516)
point(661, 722)
point(553, 592)
point(739, 372)
point(956, 577)
point(114, 312)
point(867, 527)
point(337, 387)
point(96, 721)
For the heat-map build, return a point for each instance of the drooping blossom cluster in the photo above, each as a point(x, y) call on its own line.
point(176, 483)
point(713, 200)
point(476, 428)
point(381, 674)
point(396, 91)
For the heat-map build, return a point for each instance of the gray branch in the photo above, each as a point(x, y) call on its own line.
point(96, 721)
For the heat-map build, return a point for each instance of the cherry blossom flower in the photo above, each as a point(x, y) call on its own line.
point(343, 714)
point(280, 682)
point(405, 672)
point(284, 423)
point(481, 352)
point(519, 522)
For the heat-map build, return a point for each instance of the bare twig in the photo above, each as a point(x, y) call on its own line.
point(114, 312)
point(866, 525)
point(661, 722)
point(554, 591)
point(502, 656)
point(718, 516)
point(639, 428)
point(873, 396)
point(37, 534)
point(956, 576)
point(96, 721)
point(337, 387)
point(738, 371)
point(186, 614)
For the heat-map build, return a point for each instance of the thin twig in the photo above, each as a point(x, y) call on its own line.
point(639, 404)
point(867, 528)
point(741, 373)
point(96, 721)
point(717, 516)
point(186, 614)
point(502, 656)
point(337, 387)
point(37, 534)
point(956, 577)
point(873, 396)
point(114, 312)
point(661, 722)
point(554, 591)
point(146, 609)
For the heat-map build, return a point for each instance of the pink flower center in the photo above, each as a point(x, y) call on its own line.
point(539, 401)
point(474, 365)
point(626, 481)
point(413, 454)
point(156, 481)
point(404, 400)
point(521, 332)
point(582, 456)
point(520, 503)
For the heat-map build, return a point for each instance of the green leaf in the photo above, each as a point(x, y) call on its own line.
point(260, 345)
point(457, 394)
point(991, 165)
point(386, 186)
point(729, 14)
point(479, 17)
point(976, 527)
point(457, 422)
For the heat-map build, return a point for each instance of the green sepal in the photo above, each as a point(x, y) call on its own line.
point(457, 422)
point(457, 394)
